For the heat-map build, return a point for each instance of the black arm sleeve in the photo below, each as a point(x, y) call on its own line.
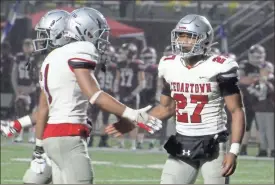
point(229, 86)
point(166, 89)
point(82, 64)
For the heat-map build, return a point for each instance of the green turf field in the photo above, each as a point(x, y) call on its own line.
point(116, 166)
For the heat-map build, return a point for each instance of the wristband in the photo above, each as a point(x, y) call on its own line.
point(130, 114)
point(235, 148)
point(94, 97)
point(22, 123)
point(38, 142)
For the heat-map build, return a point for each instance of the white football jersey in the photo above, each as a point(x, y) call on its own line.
point(67, 103)
point(199, 104)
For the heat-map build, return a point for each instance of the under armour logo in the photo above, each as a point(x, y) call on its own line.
point(188, 152)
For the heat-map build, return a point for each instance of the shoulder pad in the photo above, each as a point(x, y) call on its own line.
point(165, 60)
point(83, 47)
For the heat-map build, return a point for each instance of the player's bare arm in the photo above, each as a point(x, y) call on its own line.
point(235, 106)
point(90, 88)
point(233, 100)
point(165, 109)
point(42, 115)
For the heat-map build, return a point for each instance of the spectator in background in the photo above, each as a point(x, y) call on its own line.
point(23, 84)
point(7, 61)
point(249, 73)
point(6, 65)
point(263, 90)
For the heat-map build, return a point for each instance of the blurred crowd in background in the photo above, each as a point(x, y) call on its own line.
point(140, 32)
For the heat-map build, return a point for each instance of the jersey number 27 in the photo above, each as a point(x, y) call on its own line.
point(181, 102)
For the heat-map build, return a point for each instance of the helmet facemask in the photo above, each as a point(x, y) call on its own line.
point(102, 41)
point(47, 38)
point(195, 44)
point(42, 39)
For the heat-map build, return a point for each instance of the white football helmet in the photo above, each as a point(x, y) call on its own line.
point(88, 24)
point(198, 28)
point(50, 30)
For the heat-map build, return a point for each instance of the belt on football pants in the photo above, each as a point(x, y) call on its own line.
point(66, 129)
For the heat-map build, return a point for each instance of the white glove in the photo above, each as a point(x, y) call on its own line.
point(142, 119)
point(40, 160)
point(7, 130)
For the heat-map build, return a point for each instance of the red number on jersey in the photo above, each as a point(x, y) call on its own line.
point(181, 100)
point(46, 83)
point(219, 59)
point(171, 57)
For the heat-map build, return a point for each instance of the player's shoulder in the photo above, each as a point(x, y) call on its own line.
point(168, 58)
point(81, 47)
point(164, 63)
point(222, 63)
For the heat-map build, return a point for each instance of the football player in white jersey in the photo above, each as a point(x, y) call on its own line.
point(197, 87)
point(49, 36)
point(68, 85)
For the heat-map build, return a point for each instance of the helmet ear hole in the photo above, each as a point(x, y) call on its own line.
point(90, 35)
point(59, 36)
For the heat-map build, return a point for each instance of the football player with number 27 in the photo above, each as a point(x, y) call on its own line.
point(198, 85)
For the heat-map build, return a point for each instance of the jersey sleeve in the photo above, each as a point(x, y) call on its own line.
point(161, 68)
point(228, 78)
point(85, 56)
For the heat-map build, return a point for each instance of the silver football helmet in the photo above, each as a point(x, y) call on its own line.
point(149, 55)
point(198, 29)
point(50, 30)
point(88, 24)
point(256, 55)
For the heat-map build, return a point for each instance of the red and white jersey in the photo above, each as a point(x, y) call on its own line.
point(199, 104)
point(67, 103)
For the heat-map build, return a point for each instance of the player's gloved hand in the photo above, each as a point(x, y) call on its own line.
point(131, 119)
point(40, 160)
point(7, 129)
